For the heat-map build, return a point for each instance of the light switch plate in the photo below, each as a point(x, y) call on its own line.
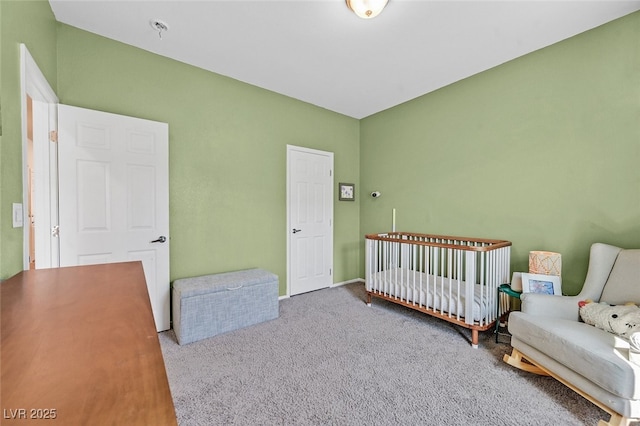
point(17, 215)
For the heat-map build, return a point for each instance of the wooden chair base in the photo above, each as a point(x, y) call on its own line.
point(518, 360)
point(617, 420)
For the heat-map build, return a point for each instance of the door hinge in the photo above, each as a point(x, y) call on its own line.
point(53, 136)
point(330, 271)
point(55, 231)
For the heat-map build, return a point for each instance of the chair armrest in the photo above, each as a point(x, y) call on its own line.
point(565, 307)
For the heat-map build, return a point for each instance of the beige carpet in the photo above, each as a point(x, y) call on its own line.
point(332, 360)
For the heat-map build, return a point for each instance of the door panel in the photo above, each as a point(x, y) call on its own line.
point(310, 217)
point(140, 197)
point(150, 266)
point(93, 206)
point(114, 198)
point(93, 259)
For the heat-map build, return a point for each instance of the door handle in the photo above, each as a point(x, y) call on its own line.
point(161, 239)
point(295, 231)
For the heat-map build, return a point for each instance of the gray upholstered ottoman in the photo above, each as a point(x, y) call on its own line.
point(212, 304)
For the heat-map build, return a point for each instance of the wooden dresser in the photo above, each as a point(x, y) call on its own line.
point(79, 347)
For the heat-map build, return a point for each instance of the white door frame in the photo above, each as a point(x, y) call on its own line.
point(291, 148)
point(35, 85)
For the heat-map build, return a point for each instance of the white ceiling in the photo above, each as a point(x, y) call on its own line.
point(321, 53)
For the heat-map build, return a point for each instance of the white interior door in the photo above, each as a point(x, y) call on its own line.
point(114, 196)
point(310, 205)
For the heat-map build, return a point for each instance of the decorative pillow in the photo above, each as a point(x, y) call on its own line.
point(622, 320)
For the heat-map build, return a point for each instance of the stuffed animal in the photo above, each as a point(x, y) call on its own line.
point(622, 320)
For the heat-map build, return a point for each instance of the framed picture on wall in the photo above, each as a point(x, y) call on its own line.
point(347, 191)
point(541, 284)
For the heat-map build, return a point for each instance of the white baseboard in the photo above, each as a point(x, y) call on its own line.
point(355, 280)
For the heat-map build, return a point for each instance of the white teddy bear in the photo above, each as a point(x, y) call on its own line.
point(622, 320)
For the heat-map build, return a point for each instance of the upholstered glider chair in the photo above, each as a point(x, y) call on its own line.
point(548, 337)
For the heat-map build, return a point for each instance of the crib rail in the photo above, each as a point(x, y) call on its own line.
point(454, 278)
point(463, 243)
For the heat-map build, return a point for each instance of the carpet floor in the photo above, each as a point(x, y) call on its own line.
point(330, 359)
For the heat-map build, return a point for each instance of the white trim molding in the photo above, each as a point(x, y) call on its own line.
point(33, 84)
point(355, 280)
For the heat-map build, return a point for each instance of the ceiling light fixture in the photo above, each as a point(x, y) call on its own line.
point(159, 26)
point(366, 9)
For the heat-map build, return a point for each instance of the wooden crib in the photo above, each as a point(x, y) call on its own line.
point(453, 278)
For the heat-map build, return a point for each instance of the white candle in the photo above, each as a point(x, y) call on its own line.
point(393, 221)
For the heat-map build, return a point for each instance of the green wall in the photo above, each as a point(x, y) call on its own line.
point(227, 146)
point(31, 23)
point(543, 151)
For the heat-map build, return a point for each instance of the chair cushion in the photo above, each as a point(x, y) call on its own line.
point(600, 357)
point(623, 284)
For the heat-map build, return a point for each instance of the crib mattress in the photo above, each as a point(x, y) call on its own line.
point(438, 293)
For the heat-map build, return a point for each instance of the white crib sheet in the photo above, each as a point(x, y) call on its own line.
point(429, 290)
